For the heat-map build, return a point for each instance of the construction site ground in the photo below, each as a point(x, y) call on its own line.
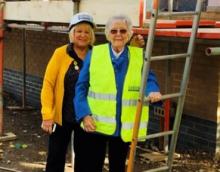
point(27, 153)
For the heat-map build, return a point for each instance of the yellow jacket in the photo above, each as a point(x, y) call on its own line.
point(53, 85)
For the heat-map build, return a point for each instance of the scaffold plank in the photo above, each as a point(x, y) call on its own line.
point(39, 11)
point(61, 11)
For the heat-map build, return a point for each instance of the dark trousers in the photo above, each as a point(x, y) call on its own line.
point(91, 150)
point(57, 148)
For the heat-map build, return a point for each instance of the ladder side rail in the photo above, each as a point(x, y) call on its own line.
point(170, 5)
point(172, 56)
point(166, 115)
point(145, 72)
point(183, 87)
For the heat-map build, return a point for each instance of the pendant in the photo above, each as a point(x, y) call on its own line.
point(76, 67)
point(75, 63)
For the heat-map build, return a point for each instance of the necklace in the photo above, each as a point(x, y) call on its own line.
point(76, 67)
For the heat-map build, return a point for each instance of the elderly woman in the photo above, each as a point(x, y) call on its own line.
point(106, 90)
point(59, 89)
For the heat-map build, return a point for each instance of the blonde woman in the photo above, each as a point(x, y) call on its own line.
point(59, 89)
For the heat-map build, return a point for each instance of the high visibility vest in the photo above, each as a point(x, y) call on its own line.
point(102, 93)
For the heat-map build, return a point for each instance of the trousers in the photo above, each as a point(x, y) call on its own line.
point(58, 145)
point(92, 149)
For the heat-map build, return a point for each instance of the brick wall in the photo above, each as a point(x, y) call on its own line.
point(13, 84)
point(194, 134)
point(202, 93)
point(201, 104)
point(39, 48)
point(197, 134)
point(199, 122)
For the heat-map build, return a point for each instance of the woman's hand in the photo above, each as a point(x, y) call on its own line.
point(137, 41)
point(89, 124)
point(47, 126)
point(155, 97)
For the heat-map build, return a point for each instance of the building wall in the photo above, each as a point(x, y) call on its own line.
point(204, 77)
point(213, 3)
point(194, 134)
point(39, 49)
point(199, 123)
point(200, 110)
point(13, 84)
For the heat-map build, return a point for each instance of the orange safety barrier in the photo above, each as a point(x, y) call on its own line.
point(217, 24)
point(161, 23)
point(202, 23)
point(203, 33)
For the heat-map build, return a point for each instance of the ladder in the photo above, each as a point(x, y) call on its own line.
point(179, 95)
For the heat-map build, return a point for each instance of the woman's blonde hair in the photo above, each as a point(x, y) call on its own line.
point(91, 30)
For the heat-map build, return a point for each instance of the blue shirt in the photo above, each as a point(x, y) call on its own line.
point(120, 66)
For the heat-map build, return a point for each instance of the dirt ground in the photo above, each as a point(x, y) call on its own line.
point(28, 152)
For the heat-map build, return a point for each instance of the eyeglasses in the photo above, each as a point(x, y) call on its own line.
point(115, 31)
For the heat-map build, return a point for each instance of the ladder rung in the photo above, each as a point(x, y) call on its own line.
point(177, 13)
point(158, 169)
point(151, 136)
point(166, 96)
point(172, 56)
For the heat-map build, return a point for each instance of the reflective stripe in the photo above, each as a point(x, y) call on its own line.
point(101, 96)
point(104, 119)
point(132, 103)
point(130, 125)
point(129, 102)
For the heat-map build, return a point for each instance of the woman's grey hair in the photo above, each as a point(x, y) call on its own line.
point(91, 32)
point(120, 17)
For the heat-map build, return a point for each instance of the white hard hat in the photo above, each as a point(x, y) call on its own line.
point(81, 17)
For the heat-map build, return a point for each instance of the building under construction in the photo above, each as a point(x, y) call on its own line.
point(33, 29)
